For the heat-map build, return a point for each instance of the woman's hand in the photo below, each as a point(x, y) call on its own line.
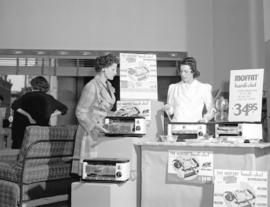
point(31, 120)
point(203, 120)
point(56, 113)
point(111, 113)
point(100, 128)
point(167, 108)
point(25, 113)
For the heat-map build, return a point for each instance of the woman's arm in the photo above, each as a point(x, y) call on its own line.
point(170, 102)
point(60, 107)
point(209, 104)
point(84, 108)
point(23, 112)
point(56, 113)
point(16, 104)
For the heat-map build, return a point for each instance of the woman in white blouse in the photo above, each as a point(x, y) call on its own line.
point(187, 98)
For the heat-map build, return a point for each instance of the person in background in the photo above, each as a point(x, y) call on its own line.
point(96, 101)
point(2, 112)
point(1, 100)
point(187, 98)
point(34, 108)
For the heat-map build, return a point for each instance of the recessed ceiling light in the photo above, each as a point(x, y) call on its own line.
point(63, 52)
point(86, 53)
point(40, 52)
point(17, 52)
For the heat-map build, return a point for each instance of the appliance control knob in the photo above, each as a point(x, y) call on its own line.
point(118, 174)
point(200, 133)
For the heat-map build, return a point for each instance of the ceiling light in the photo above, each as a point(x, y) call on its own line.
point(63, 52)
point(86, 53)
point(40, 52)
point(17, 52)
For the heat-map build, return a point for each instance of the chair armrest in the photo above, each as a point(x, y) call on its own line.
point(9, 155)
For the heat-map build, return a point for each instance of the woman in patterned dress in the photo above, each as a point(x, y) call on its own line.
point(96, 102)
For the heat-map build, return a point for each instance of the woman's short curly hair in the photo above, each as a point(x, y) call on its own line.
point(40, 83)
point(105, 61)
point(192, 64)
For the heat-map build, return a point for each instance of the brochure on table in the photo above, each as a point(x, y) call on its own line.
point(246, 89)
point(138, 76)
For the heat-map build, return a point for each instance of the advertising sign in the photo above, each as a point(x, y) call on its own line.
point(236, 188)
point(138, 76)
point(190, 166)
point(246, 89)
point(134, 108)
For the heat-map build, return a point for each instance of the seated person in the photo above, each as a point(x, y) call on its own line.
point(33, 108)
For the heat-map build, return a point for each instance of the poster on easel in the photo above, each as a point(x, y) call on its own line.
point(190, 167)
point(138, 76)
point(235, 188)
point(245, 101)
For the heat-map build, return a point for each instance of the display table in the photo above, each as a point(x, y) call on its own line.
point(157, 191)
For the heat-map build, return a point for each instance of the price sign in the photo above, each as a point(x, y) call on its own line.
point(246, 109)
point(246, 88)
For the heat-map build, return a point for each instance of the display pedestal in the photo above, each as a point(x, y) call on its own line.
point(85, 194)
point(125, 147)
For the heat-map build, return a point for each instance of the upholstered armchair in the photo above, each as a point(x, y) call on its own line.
point(38, 173)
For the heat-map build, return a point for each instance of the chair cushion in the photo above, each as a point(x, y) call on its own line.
point(46, 188)
point(9, 171)
point(10, 191)
point(46, 172)
point(9, 195)
point(37, 133)
point(9, 155)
